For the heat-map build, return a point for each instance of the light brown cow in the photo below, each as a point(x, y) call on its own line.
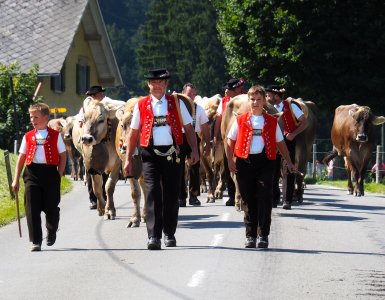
point(96, 141)
point(237, 106)
point(353, 136)
point(210, 167)
point(124, 116)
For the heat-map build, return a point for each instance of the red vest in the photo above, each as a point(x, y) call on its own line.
point(245, 135)
point(50, 146)
point(225, 100)
point(147, 119)
point(288, 118)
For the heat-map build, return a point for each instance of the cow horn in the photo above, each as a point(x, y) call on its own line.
point(378, 120)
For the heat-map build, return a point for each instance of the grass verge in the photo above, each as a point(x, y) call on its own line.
point(7, 204)
point(370, 187)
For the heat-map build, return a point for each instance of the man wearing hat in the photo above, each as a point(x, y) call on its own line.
point(157, 124)
point(294, 122)
point(233, 88)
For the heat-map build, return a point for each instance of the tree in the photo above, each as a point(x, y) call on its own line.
point(182, 36)
point(123, 18)
point(24, 85)
point(324, 50)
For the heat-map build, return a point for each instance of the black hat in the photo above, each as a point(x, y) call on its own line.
point(94, 90)
point(158, 74)
point(233, 83)
point(275, 89)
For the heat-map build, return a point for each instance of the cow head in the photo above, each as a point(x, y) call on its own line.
point(96, 123)
point(124, 115)
point(68, 125)
point(364, 120)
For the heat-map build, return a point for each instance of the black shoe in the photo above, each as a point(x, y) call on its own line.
point(93, 205)
point(153, 244)
point(193, 200)
point(36, 247)
point(169, 241)
point(182, 202)
point(263, 242)
point(286, 205)
point(250, 242)
point(51, 238)
point(230, 202)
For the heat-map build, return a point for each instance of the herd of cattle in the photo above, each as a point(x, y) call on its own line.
point(100, 146)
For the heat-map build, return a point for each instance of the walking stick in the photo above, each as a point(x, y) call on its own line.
point(18, 211)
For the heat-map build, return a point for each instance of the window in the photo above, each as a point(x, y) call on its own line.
point(58, 82)
point(82, 77)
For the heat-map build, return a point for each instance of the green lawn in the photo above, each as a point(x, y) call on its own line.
point(7, 204)
point(371, 187)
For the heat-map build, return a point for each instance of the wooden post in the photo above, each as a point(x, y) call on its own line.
point(9, 173)
point(378, 163)
point(314, 161)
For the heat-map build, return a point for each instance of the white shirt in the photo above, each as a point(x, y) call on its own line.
point(39, 157)
point(200, 118)
point(296, 110)
point(279, 106)
point(257, 143)
point(162, 135)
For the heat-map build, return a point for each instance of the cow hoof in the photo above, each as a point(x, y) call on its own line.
point(100, 213)
point(133, 224)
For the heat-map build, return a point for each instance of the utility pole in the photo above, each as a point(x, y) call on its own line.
point(14, 109)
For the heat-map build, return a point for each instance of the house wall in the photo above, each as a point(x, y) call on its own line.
point(69, 98)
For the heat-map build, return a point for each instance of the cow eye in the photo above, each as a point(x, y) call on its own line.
point(101, 121)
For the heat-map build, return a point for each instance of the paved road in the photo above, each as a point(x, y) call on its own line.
point(330, 247)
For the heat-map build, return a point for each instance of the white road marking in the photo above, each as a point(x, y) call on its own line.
point(197, 278)
point(217, 240)
point(225, 217)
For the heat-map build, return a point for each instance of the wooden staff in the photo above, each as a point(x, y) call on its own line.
point(18, 211)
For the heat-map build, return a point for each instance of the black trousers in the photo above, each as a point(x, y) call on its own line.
point(255, 179)
point(229, 180)
point(277, 174)
point(193, 173)
point(162, 179)
point(290, 178)
point(42, 193)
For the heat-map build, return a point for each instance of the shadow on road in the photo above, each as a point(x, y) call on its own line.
point(210, 224)
point(321, 217)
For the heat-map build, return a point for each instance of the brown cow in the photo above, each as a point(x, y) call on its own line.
point(353, 136)
point(124, 116)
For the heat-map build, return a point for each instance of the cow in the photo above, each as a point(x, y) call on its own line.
point(124, 115)
point(64, 126)
point(238, 105)
point(208, 164)
point(96, 141)
point(353, 136)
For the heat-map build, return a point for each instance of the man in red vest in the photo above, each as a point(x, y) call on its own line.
point(294, 122)
point(158, 120)
point(252, 143)
point(233, 88)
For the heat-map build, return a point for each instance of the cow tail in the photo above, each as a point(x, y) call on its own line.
point(330, 156)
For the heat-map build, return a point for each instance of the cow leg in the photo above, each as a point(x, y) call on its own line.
point(350, 184)
point(73, 170)
point(238, 197)
point(135, 196)
point(110, 211)
point(97, 186)
point(299, 190)
point(209, 175)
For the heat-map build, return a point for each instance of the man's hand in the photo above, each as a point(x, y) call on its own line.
point(232, 166)
point(194, 157)
point(128, 168)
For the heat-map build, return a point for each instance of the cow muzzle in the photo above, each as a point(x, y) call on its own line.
point(88, 139)
point(361, 137)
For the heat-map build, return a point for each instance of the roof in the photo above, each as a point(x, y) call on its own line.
point(41, 32)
